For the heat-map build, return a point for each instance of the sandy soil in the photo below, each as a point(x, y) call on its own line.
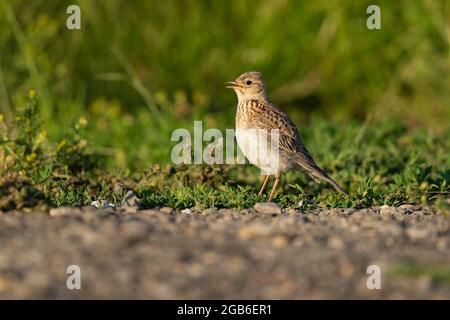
point(215, 254)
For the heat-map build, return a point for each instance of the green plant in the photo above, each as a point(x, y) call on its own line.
point(383, 163)
point(31, 166)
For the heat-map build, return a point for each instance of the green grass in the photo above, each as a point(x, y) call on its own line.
point(379, 163)
point(436, 273)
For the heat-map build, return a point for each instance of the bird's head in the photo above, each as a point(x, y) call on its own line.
point(249, 86)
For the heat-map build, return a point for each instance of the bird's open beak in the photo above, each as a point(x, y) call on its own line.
point(232, 85)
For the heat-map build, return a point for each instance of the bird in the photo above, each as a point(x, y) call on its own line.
point(267, 136)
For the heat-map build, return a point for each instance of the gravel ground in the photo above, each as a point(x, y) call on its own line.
point(216, 254)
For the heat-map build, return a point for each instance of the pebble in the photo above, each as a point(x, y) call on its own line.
point(130, 202)
point(102, 204)
point(64, 211)
point(409, 207)
point(303, 202)
point(387, 211)
point(166, 210)
point(268, 208)
point(209, 211)
point(292, 211)
point(227, 212)
point(149, 212)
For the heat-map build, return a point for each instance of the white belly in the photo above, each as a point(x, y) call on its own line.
point(260, 148)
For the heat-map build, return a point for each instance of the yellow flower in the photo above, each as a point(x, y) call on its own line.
point(83, 121)
point(31, 157)
point(61, 145)
point(98, 106)
point(32, 94)
point(41, 137)
point(424, 185)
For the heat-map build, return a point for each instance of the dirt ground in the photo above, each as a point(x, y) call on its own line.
point(217, 254)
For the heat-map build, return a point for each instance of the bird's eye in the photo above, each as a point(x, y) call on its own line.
point(248, 82)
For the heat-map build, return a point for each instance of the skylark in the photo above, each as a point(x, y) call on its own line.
point(267, 136)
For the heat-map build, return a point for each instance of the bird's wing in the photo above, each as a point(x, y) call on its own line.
point(288, 136)
point(273, 118)
point(290, 141)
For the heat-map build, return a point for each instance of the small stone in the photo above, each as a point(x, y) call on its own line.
point(209, 211)
point(227, 212)
point(64, 211)
point(292, 211)
point(130, 209)
point(408, 206)
point(130, 201)
point(387, 211)
point(335, 212)
point(247, 211)
point(102, 204)
point(166, 210)
point(309, 201)
point(186, 211)
point(268, 208)
point(149, 212)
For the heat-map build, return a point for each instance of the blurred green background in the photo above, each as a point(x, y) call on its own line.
point(139, 69)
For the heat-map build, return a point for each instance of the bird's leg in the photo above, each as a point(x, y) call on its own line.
point(266, 179)
point(275, 185)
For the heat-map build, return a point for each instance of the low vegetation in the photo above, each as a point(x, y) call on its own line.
point(381, 163)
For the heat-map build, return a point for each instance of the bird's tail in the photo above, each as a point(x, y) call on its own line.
point(309, 166)
point(321, 175)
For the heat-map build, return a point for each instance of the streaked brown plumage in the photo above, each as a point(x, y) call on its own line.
point(255, 111)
